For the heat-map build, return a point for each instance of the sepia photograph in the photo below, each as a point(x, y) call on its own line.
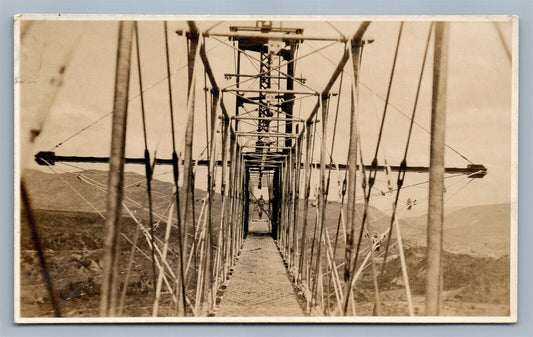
point(265, 168)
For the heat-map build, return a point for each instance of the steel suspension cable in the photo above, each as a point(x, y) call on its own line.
point(403, 165)
point(334, 133)
point(104, 217)
point(129, 100)
point(147, 162)
point(392, 105)
point(373, 168)
point(175, 167)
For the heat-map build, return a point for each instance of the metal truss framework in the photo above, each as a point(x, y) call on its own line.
point(276, 152)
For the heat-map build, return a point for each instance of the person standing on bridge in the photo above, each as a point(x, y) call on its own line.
point(260, 206)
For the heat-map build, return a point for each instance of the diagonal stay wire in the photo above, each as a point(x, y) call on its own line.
point(418, 224)
point(129, 100)
point(403, 165)
point(392, 105)
point(133, 243)
point(373, 168)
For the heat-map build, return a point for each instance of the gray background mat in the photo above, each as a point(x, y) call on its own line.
point(523, 8)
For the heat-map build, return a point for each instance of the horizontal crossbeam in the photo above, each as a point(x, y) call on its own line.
point(277, 36)
point(272, 119)
point(298, 79)
point(264, 134)
point(266, 147)
point(271, 91)
point(50, 158)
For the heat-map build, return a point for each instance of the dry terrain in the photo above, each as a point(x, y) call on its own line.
point(476, 263)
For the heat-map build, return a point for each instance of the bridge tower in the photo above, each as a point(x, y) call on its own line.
point(270, 106)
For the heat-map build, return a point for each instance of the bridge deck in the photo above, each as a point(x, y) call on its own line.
point(259, 285)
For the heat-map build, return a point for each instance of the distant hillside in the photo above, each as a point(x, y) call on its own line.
point(482, 230)
point(67, 191)
point(72, 236)
point(476, 230)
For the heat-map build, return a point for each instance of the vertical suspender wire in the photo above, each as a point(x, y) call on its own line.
point(339, 220)
point(372, 174)
point(373, 168)
point(222, 239)
point(297, 199)
point(194, 249)
point(303, 245)
point(309, 262)
point(281, 232)
point(290, 171)
point(334, 133)
point(175, 167)
point(401, 178)
point(355, 51)
point(206, 107)
point(321, 205)
point(188, 186)
point(284, 186)
point(352, 182)
point(209, 232)
point(377, 300)
point(229, 225)
point(292, 217)
point(147, 163)
point(286, 206)
point(235, 201)
point(244, 200)
point(329, 177)
point(223, 217)
point(231, 191)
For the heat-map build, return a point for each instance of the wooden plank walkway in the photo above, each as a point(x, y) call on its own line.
point(259, 285)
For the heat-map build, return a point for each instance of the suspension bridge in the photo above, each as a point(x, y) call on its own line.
point(284, 227)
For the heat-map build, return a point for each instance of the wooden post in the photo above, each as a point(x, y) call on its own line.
point(237, 207)
point(283, 197)
point(275, 204)
point(286, 186)
point(210, 186)
point(245, 198)
point(246, 191)
point(116, 169)
point(307, 187)
point(436, 171)
point(321, 205)
point(231, 192)
point(238, 102)
point(352, 165)
point(296, 198)
point(192, 54)
point(224, 218)
point(290, 205)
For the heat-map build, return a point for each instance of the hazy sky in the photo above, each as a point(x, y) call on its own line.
point(479, 95)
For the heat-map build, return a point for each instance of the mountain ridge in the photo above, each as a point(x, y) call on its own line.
point(477, 230)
